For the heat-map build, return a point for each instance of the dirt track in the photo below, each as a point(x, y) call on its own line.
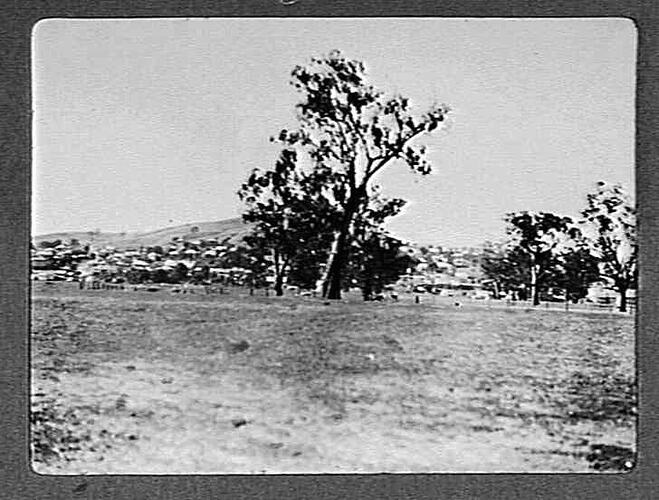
point(151, 383)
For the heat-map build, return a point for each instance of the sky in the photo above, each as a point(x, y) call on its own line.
point(142, 124)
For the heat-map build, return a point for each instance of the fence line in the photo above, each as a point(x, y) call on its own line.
point(518, 304)
point(415, 298)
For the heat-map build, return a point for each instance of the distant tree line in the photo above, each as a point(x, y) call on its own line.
point(547, 252)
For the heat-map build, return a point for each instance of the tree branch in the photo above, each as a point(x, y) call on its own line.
point(415, 132)
point(357, 130)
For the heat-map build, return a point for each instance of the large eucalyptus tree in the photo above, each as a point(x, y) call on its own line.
point(350, 130)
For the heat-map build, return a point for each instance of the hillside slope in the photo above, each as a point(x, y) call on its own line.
point(234, 229)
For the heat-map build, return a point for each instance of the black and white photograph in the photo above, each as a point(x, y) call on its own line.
point(333, 246)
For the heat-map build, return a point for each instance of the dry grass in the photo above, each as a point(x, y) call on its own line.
point(140, 382)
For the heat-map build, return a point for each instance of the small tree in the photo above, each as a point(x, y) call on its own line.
point(289, 213)
point(307, 266)
point(179, 274)
point(577, 270)
point(159, 276)
point(136, 276)
point(375, 257)
point(509, 268)
point(610, 224)
point(351, 131)
point(537, 236)
point(201, 275)
point(268, 196)
point(379, 263)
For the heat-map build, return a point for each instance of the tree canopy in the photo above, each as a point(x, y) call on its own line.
point(349, 131)
point(536, 240)
point(610, 225)
point(320, 202)
point(508, 267)
point(577, 269)
point(292, 219)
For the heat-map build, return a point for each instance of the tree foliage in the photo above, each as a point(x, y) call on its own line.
point(610, 225)
point(508, 267)
point(577, 269)
point(49, 244)
point(349, 131)
point(290, 215)
point(545, 252)
point(375, 259)
point(378, 263)
point(537, 239)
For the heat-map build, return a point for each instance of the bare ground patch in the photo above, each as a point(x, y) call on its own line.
point(148, 383)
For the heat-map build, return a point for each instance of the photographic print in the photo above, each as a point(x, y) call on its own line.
point(333, 245)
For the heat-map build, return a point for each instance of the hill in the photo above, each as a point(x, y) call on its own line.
point(234, 229)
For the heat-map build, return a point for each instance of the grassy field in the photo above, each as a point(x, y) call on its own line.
point(151, 382)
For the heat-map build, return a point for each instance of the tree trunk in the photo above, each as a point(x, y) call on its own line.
point(623, 299)
point(534, 285)
point(333, 290)
point(330, 259)
point(339, 257)
point(279, 274)
point(367, 290)
point(279, 284)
